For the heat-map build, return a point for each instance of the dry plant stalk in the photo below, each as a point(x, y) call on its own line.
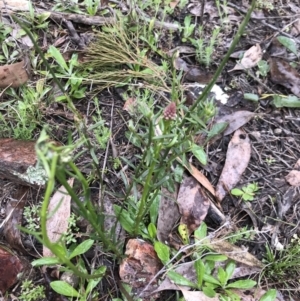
point(115, 58)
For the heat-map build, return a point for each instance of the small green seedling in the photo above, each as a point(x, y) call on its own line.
point(247, 193)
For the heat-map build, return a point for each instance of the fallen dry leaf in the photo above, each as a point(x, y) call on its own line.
point(59, 210)
point(284, 74)
point(168, 215)
point(197, 296)
point(17, 162)
point(235, 120)
point(209, 8)
point(140, 266)
point(236, 253)
point(193, 203)
point(250, 59)
point(293, 178)
point(14, 75)
point(237, 159)
point(180, 64)
point(254, 294)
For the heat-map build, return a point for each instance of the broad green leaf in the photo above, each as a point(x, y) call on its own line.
point(222, 276)
point(270, 295)
point(248, 197)
point(82, 248)
point(251, 96)
point(63, 288)
point(242, 284)
point(179, 279)
point(289, 102)
point(200, 271)
point(230, 267)
point(55, 53)
point(211, 279)
point(201, 232)
point(162, 251)
point(216, 257)
point(124, 218)
point(208, 291)
point(152, 230)
point(289, 43)
point(236, 191)
point(199, 153)
point(45, 261)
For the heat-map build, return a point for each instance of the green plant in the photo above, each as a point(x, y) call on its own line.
point(188, 28)
point(263, 68)
point(282, 266)
point(37, 21)
point(204, 50)
point(92, 6)
point(32, 217)
point(241, 234)
point(31, 292)
point(68, 71)
point(247, 193)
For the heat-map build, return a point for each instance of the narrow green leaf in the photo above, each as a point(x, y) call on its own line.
point(242, 284)
point(251, 96)
point(222, 276)
point(63, 288)
point(288, 43)
point(82, 248)
point(179, 279)
point(270, 295)
point(152, 230)
point(200, 271)
point(92, 283)
point(162, 251)
point(199, 153)
point(211, 279)
point(201, 232)
point(230, 267)
point(45, 261)
point(124, 218)
point(54, 52)
point(216, 257)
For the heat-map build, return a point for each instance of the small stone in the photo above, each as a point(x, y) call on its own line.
point(278, 131)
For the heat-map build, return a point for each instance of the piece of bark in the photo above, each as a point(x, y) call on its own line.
point(17, 163)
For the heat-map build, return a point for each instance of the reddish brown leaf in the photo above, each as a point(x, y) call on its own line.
point(193, 203)
point(237, 159)
point(284, 74)
point(293, 178)
point(10, 267)
point(13, 75)
point(59, 210)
